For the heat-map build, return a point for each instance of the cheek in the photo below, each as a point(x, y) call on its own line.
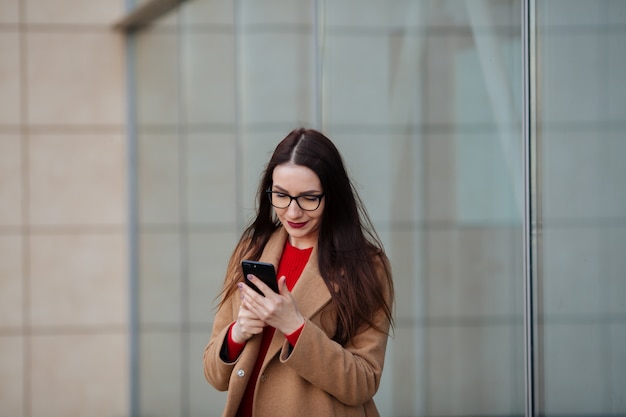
point(320, 213)
point(317, 218)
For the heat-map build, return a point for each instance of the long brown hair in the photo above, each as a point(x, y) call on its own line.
point(349, 251)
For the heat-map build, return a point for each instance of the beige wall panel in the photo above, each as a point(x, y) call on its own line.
point(10, 180)
point(11, 370)
point(9, 11)
point(11, 281)
point(78, 280)
point(75, 78)
point(10, 78)
point(79, 375)
point(81, 12)
point(77, 179)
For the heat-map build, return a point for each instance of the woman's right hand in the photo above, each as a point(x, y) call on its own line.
point(246, 326)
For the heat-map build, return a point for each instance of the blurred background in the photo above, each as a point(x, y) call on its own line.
point(486, 137)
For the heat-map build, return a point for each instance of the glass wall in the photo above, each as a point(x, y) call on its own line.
point(425, 99)
point(581, 143)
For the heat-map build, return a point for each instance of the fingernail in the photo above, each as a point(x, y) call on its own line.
point(250, 277)
point(240, 285)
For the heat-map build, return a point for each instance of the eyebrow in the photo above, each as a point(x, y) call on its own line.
point(309, 192)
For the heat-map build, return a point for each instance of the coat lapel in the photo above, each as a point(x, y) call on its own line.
point(310, 292)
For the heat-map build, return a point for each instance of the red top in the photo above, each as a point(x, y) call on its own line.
point(291, 265)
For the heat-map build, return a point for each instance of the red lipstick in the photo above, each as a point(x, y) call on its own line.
point(297, 225)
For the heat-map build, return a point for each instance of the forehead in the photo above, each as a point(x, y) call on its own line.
point(296, 178)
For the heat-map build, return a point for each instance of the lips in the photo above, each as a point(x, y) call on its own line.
point(296, 225)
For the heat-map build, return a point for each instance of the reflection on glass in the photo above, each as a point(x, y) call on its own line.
point(424, 100)
point(582, 118)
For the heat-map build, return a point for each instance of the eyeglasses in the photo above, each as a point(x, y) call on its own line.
point(307, 202)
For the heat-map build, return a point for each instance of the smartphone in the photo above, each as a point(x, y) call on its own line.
point(263, 271)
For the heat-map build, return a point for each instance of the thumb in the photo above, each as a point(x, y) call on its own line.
point(282, 285)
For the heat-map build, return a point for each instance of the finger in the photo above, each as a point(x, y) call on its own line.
point(250, 320)
point(249, 297)
point(253, 303)
point(245, 312)
point(282, 285)
point(251, 327)
point(260, 285)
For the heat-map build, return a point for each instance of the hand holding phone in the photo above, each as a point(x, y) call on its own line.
point(263, 271)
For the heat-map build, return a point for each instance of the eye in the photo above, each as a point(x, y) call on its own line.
point(311, 198)
point(279, 194)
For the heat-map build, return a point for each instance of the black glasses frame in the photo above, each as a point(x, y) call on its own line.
point(291, 198)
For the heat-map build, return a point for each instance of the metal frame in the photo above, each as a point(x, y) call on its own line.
point(530, 225)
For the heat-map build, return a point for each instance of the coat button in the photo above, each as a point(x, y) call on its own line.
point(263, 378)
point(241, 373)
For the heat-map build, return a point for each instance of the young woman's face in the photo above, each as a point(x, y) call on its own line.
point(298, 181)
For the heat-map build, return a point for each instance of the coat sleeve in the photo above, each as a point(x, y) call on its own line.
point(217, 370)
point(350, 373)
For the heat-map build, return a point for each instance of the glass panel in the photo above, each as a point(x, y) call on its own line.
point(185, 158)
point(582, 143)
point(276, 63)
point(159, 342)
point(424, 99)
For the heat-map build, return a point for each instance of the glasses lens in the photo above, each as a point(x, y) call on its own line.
point(307, 202)
point(279, 200)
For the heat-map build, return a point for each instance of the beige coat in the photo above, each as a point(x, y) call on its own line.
point(318, 377)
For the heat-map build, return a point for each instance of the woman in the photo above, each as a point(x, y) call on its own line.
point(317, 347)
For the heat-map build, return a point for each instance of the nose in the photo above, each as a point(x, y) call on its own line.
point(294, 209)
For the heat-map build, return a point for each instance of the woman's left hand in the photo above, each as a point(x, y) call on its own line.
point(277, 310)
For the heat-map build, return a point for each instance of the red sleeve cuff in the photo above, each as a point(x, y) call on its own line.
point(234, 348)
point(293, 337)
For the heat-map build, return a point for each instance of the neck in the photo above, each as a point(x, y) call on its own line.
point(301, 243)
